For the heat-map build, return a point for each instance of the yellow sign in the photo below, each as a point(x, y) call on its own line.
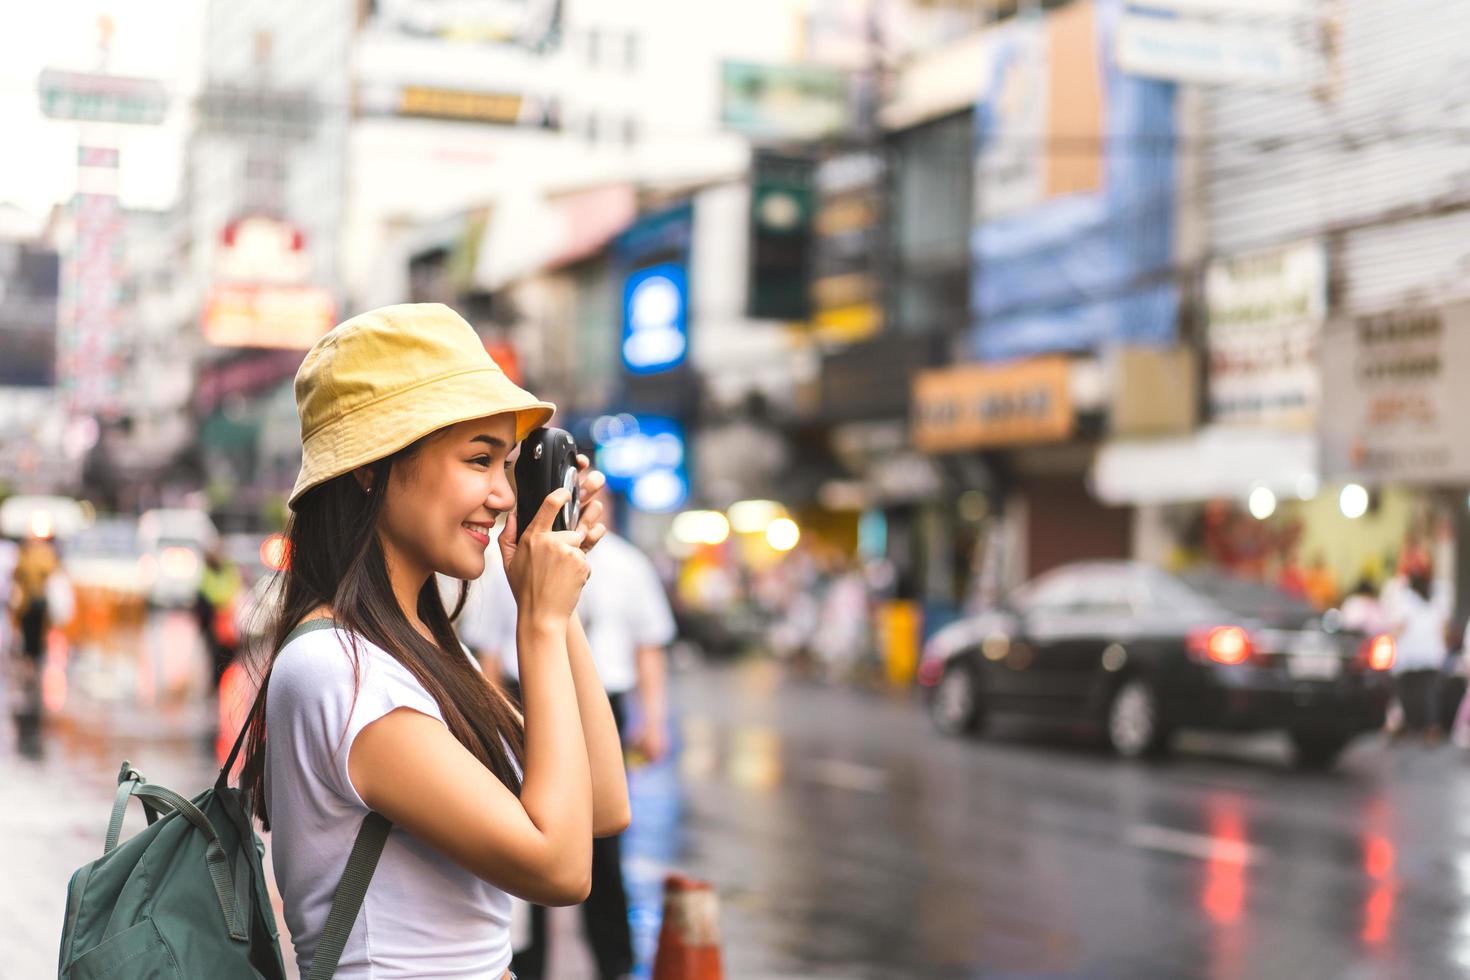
point(258, 315)
point(977, 406)
point(444, 103)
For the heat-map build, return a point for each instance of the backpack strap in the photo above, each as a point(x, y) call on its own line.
point(361, 863)
point(308, 626)
point(351, 891)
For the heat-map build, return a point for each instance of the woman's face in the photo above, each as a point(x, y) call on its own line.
point(443, 502)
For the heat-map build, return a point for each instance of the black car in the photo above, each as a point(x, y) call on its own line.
point(1141, 653)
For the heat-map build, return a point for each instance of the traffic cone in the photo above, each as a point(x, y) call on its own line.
point(689, 941)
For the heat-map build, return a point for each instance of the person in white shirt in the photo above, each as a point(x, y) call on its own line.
point(1418, 616)
point(626, 614)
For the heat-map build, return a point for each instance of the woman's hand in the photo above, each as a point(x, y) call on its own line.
point(590, 486)
point(546, 568)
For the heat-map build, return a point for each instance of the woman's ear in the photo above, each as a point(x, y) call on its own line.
point(364, 477)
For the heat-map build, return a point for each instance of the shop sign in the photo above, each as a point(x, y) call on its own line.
point(1183, 49)
point(845, 300)
point(1395, 401)
point(258, 248)
point(784, 102)
point(266, 315)
point(1155, 391)
point(655, 318)
point(89, 97)
point(643, 457)
point(978, 406)
point(1265, 313)
point(534, 24)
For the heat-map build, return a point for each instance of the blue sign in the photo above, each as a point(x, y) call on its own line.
point(1080, 271)
point(655, 318)
point(643, 457)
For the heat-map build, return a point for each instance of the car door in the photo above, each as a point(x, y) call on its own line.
point(1025, 672)
point(1101, 625)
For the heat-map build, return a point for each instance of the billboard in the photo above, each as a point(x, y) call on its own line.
point(1072, 240)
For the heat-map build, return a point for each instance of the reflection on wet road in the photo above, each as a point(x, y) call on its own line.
point(848, 839)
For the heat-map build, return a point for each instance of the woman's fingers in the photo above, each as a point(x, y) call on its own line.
point(555, 501)
point(598, 532)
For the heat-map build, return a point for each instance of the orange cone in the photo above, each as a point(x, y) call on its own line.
point(689, 942)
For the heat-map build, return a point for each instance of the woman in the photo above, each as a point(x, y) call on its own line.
point(408, 427)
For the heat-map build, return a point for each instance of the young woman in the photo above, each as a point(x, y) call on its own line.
point(408, 429)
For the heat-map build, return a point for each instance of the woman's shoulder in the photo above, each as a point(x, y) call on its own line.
point(322, 661)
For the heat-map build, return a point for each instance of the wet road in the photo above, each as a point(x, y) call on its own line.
point(848, 839)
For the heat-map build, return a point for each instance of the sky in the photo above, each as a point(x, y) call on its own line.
point(158, 39)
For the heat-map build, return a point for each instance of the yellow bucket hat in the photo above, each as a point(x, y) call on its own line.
point(383, 379)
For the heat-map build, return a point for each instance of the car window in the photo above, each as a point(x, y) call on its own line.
point(1053, 591)
point(1248, 600)
point(1105, 592)
point(1086, 590)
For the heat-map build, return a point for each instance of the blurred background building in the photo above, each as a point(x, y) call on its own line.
point(956, 292)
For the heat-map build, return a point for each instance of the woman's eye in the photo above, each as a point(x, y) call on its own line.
point(481, 461)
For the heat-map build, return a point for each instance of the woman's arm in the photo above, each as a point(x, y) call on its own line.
point(408, 767)
point(610, 811)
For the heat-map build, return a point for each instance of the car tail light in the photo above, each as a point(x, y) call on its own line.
point(1222, 644)
point(1380, 652)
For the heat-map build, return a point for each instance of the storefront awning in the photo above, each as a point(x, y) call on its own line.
point(1209, 464)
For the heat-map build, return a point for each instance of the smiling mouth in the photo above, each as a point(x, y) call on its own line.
point(480, 532)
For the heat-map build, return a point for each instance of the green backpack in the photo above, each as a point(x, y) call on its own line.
point(186, 897)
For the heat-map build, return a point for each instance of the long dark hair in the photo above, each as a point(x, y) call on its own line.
point(335, 558)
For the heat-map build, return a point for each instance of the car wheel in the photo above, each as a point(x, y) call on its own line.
point(1314, 751)
point(955, 706)
point(1135, 723)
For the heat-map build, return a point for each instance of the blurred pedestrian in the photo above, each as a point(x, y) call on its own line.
point(1362, 611)
point(843, 629)
point(371, 704)
point(629, 625)
point(34, 568)
point(1419, 620)
point(215, 606)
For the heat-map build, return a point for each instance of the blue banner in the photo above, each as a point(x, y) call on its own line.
point(1057, 270)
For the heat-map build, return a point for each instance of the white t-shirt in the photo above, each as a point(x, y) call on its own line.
point(424, 915)
point(1420, 624)
point(623, 607)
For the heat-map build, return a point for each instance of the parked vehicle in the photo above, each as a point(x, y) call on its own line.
point(1140, 654)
